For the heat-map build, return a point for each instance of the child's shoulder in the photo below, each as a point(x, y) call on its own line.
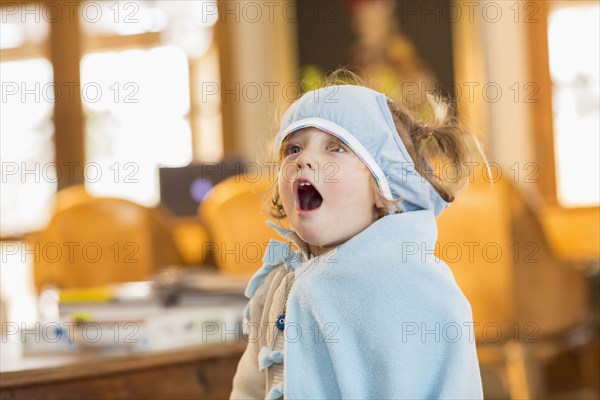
point(385, 282)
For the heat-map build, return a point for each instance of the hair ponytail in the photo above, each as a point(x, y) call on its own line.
point(436, 142)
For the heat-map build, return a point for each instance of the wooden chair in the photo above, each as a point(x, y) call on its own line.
point(98, 241)
point(524, 299)
point(187, 232)
point(233, 215)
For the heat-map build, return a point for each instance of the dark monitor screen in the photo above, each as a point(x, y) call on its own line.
point(182, 189)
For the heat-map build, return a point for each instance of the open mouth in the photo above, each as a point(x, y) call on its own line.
point(309, 197)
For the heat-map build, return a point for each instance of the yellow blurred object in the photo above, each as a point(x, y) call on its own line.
point(190, 235)
point(95, 294)
point(98, 241)
point(524, 299)
point(82, 317)
point(573, 233)
point(233, 215)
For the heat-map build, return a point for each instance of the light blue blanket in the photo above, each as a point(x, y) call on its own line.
point(380, 317)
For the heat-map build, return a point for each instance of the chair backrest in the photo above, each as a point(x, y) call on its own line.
point(475, 240)
point(233, 214)
point(517, 288)
point(552, 294)
point(101, 241)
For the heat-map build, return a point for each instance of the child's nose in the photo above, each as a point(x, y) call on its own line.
point(305, 160)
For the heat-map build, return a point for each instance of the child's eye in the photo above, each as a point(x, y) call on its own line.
point(292, 149)
point(337, 148)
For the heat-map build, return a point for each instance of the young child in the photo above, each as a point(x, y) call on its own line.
point(362, 309)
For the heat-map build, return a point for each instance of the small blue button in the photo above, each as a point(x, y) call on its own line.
point(281, 322)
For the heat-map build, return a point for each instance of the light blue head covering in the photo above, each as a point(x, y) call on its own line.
point(361, 118)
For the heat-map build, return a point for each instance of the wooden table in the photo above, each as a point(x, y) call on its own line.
point(201, 372)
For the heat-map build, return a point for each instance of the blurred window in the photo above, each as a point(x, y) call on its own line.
point(140, 112)
point(573, 45)
point(136, 119)
point(26, 129)
point(143, 65)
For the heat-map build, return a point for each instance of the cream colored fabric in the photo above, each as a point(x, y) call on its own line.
point(268, 302)
point(275, 336)
point(249, 382)
point(265, 306)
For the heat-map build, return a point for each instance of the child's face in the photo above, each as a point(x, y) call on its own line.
point(325, 189)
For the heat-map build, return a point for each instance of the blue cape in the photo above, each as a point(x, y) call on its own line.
point(378, 317)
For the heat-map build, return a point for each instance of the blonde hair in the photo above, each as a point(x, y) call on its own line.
point(433, 137)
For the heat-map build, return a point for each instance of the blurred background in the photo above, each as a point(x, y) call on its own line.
point(134, 157)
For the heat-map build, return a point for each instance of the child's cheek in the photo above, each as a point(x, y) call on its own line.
point(285, 193)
